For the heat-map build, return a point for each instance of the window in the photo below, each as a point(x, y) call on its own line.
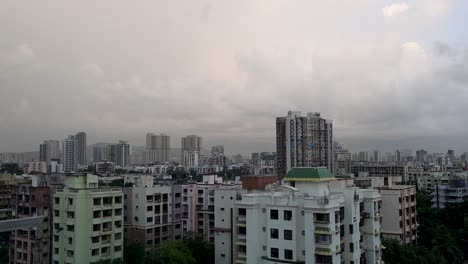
point(274, 253)
point(57, 200)
point(95, 252)
point(70, 201)
point(351, 247)
point(118, 248)
point(69, 253)
point(274, 214)
point(274, 233)
point(56, 213)
point(351, 229)
point(118, 199)
point(288, 254)
point(287, 215)
point(323, 218)
point(288, 234)
point(95, 239)
point(149, 219)
point(97, 201)
point(242, 211)
point(70, 228)
point(71, 215)
point(149, 208)
point(118, 236)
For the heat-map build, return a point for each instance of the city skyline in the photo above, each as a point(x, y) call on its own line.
point(389, 76)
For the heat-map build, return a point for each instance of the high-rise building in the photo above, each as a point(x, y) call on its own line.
point(191, 143)
point(70, 154)
point(306, 222)
point(421, 155)
point(102, 152)
point(88, 222)
point(49, 151)
point(122, 153)
point(81, 148)
point(363, 156)
point(158, 148)
point(376, 156)
point(303, 141)
point(217, 150)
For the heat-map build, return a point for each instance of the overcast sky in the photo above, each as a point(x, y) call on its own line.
point(390, 74)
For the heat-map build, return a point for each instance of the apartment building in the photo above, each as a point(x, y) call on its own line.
point(148, 211)
point(88, 221)
point(225, 221)
point(306, 222)
point(303, 141)
point(7, 183)
point(31, 245)
point(399, 211)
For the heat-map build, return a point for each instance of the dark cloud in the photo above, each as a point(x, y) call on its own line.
point(119, 70)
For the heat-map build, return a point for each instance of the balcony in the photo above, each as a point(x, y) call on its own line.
point(241, 222)
point(327, 251)
point(323, 230)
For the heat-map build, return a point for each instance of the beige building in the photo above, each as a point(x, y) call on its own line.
point(399, 213)
point(148, 211)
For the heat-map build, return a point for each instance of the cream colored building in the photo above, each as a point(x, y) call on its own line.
point(399, 211)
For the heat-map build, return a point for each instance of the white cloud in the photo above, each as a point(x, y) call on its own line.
point(413, 61)
point(395, 9)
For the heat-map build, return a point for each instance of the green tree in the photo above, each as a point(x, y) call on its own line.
point(175, 252)
point(202, 251)
point(133, 253)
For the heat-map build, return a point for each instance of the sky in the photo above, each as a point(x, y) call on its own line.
point(390, 74)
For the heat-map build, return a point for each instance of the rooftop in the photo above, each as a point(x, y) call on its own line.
point(309, 174)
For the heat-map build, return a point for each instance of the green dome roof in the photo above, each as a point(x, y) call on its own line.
point(309, 174)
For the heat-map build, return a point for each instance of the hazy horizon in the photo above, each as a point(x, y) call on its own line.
point(390, 74)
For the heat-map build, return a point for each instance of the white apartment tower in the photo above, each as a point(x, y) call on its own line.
point(303, 141)
point(306, 222)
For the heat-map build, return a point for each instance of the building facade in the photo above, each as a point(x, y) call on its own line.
point(81, 149)
point(49, 151)
point(88, 221)
point(303, 141)
point(190, 143)
point(148, 211)
point(158, 148)
point(401, 226)
point(306, 222)
point(70, 154)
point(31, 245)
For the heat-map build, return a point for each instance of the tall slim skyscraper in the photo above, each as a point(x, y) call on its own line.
point(81, 149)
point(122, 151)
point(158, 148)
point(70, 154)
point(190, 143)
point(49, 151)
point(303, 141)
